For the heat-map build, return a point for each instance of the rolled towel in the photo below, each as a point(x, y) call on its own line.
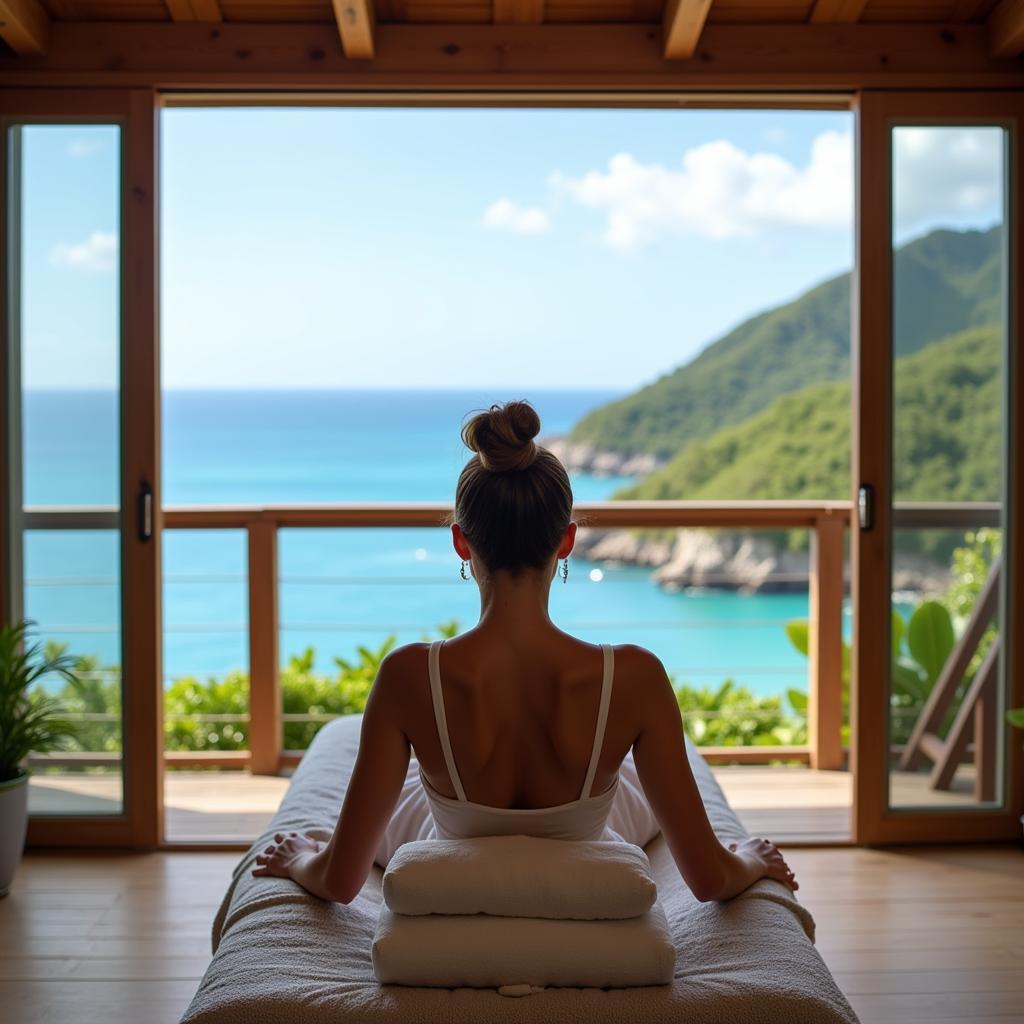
point(440, 951)
point(520, 876)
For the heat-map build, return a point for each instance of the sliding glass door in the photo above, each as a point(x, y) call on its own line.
point(80, 476)
point(937, 524)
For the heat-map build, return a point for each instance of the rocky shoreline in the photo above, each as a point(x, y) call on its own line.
point(695, 558)
point(583, 457)
point(748, 563)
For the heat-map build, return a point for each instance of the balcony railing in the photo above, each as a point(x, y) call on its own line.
point(826, 521)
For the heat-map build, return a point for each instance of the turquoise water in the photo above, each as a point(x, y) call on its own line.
point(340, 588)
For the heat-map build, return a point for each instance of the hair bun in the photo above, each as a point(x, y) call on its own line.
point(503, 436)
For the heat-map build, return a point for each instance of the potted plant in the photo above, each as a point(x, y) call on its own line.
point(29, 721)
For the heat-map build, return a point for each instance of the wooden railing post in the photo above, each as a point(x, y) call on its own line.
point(825, 644)
point(265, 739)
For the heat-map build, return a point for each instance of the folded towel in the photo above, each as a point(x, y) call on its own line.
point(440, 951)
point(520, 876)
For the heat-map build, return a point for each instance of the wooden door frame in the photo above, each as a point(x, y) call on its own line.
point(873, 820)
point(140, 823)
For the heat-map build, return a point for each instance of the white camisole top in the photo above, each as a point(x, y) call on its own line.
point(580, 819)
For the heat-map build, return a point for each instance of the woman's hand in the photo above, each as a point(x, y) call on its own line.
point(283, 854)
point(766, 856)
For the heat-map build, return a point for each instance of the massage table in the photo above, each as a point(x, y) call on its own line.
point(281, 956)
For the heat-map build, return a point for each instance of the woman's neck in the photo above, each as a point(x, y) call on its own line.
point(515, 605)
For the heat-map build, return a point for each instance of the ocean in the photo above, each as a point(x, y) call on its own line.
point(343, 588)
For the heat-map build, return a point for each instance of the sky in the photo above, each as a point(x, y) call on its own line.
point(387, 248)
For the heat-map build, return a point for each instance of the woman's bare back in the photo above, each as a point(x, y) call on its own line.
point(521, 717)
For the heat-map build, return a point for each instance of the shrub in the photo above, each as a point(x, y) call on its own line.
point(727, 715)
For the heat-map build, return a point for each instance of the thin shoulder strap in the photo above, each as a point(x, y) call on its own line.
point(602, 718)
point(434, 664)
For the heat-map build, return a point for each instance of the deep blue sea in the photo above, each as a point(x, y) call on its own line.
point(342, 588)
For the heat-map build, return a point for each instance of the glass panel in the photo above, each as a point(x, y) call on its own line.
point(206, 686)
point(947, 687)
point(65, 197)
point(206, 706)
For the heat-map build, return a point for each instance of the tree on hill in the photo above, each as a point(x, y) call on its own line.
point(947, 436)
point(945, 282)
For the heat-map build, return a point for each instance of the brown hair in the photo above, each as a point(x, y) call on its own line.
point(513, 501)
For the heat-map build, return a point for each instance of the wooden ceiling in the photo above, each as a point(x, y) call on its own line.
point(26, 25)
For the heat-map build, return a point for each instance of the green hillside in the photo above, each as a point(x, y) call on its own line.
point(948, 413)
point(944, 282)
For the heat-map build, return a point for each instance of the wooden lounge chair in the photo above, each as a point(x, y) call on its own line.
point(978, 711)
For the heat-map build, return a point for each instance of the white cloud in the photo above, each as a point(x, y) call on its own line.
point(505, 215)
point(82, 149)
point(719, 191)
point(948, 176)
point(98, 252)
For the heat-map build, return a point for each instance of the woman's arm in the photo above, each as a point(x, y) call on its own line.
point(710, 870)
point(337, 870)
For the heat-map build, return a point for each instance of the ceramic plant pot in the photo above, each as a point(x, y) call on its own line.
point(13, 823)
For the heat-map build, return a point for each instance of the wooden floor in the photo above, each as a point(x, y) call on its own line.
point(912, 936)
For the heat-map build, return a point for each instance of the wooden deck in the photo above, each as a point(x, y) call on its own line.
point(791, 805)
point(913, 936)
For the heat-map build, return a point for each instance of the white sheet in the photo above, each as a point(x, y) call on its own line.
point(520, 876)
point(283, 956)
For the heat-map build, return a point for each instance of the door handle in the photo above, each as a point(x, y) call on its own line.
point(145, 512)
point(866, 507)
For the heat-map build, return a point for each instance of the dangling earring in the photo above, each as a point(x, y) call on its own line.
point(462, 571)
point(565, 570)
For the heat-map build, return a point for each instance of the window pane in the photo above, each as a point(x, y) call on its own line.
point(66, 186)
point(949, 429)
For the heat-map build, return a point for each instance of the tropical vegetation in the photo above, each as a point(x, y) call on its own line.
point(212, 714)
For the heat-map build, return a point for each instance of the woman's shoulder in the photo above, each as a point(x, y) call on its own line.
point(638, 660)
point(399, 668)
point(640, 680)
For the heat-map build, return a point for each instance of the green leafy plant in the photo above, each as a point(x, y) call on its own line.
point(920, 648)
point(733, 716)
point(30, 719)
point(212, 714)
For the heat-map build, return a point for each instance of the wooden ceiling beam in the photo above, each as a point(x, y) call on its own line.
point(356, 25)
point(682, 25)
point(518, 12)
point(1006, 29)
point(830, 12)
point(194, 10)
point(24, 27)
point(581, 59)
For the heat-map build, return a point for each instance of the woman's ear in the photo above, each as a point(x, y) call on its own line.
point(568, 541)
point(460, 544)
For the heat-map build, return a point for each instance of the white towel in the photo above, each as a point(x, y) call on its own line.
point(439, 951)
point(520, 876)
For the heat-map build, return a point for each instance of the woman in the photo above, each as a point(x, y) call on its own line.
point(508, 719)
